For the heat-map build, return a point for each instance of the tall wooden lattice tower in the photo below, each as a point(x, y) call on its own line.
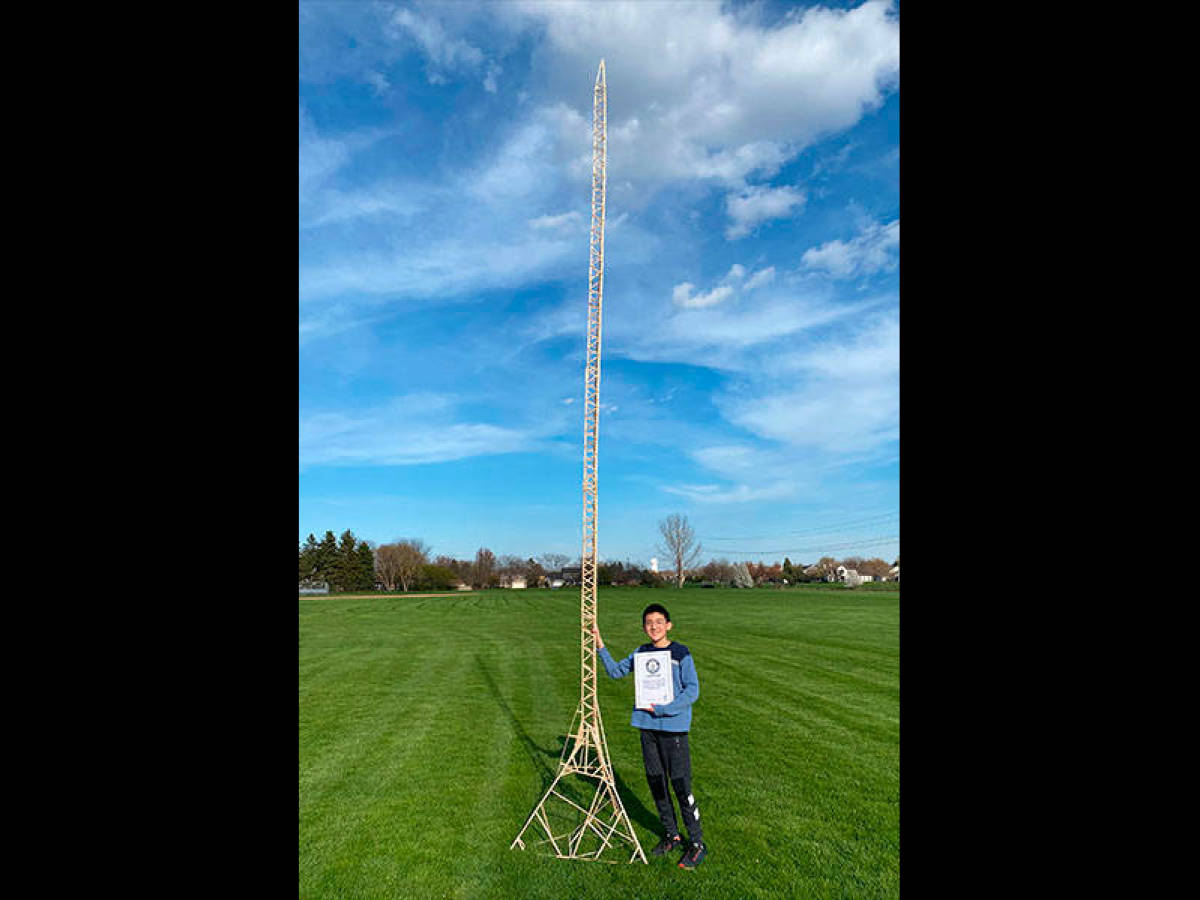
point(581, 814)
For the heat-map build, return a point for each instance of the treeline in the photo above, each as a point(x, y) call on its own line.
point(749, 574)
point(347, 564)
point(408, 565)
point(350, 564)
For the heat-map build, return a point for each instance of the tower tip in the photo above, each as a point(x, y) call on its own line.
point(600, 72)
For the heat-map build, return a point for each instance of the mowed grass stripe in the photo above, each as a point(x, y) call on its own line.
point(874, 683)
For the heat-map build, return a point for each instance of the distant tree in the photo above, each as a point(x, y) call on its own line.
point(554, 562)
point(763, 573)
point(509, 566)
point(325, 559)
point(460, 567)
point(827, 567)
point(411, 555)
point(679, 544)
point(484, 569)
point(387, 565)
point(741, 576)
point(366, 566)
point(853, 562)
point(345, 564)
point(534, 573)
point(788, 571)
point(438, 577)
point(308, 558)
point(718, 571)
point(875, 567)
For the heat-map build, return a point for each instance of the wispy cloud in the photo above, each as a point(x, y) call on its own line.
point(445, 53)
point(874, 249)
point(731, 284)
point(411, 430)
point(756, 205)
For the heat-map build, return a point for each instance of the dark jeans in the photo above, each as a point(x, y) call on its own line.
point(667, 758)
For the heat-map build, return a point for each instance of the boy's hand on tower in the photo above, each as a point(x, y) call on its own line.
point(599, 640)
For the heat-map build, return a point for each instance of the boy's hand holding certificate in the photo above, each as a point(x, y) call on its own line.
point(653, 684)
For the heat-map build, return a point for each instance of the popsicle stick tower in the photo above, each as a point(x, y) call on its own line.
point(580, 816)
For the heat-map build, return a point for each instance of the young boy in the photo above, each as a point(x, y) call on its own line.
point(665, 735)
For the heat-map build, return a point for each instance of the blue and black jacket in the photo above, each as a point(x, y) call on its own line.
point(676, 715)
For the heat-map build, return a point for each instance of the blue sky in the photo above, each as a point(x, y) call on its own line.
point(750, 372)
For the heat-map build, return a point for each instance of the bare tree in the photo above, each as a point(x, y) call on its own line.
point(400, 563)
point(853, 562)
point(387, 565)
point(827, 567)
point(875, 567)
point(718, 571)
point(679, 544)
point(483, 569)
point(554, 562)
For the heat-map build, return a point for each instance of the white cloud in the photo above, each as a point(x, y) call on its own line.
point(459, 246)
point(411, 430)
point(445, 53)
point(682, 296)
point(719, 336)
point(572, 219)
point(700, 90)
point(874, 249)
point(489, 80)
point(320, 156)
point(758, 279)
point(839, 397)
point(758, 204)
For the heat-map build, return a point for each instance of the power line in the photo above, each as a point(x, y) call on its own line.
point(831, 528)
point(849, 545)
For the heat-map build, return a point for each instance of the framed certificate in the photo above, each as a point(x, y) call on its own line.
point(653, 682)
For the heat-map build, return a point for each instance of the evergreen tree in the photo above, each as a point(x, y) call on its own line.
point(366, 566)
point(788, 571)
point(308, 557)
point(325, 557)
point(345, 566)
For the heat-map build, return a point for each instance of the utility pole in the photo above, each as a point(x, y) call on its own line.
point(586, 832)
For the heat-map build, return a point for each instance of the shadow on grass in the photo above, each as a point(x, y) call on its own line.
point(538, 755)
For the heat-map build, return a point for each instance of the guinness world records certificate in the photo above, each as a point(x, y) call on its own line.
point(653, 682)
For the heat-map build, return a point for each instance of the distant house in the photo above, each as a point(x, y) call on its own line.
point(462, 586)
point(313, 587)
point(513, 581)
point(894, 574)
point(556, 582)
point(852, 577)
point(572, 575)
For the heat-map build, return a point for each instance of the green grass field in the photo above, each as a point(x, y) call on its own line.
point(429, 728)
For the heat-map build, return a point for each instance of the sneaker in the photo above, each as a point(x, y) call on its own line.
point(667, 844)
point(693, 856)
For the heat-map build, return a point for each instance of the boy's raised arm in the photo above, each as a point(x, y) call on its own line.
point(615, 669)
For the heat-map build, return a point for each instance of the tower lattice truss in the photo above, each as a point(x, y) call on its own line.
point(580, 816)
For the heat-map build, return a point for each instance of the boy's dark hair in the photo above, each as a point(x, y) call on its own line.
point(655, 607)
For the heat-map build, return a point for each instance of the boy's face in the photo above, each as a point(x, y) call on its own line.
point(656, 626)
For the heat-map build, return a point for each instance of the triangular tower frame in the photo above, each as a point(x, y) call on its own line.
point(603, 824)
